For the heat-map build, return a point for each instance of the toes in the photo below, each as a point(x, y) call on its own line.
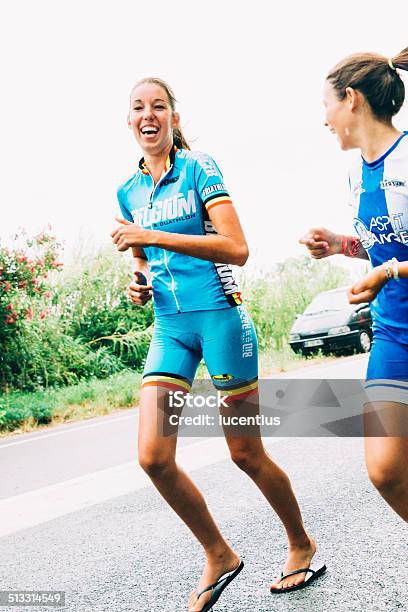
point(276, 586)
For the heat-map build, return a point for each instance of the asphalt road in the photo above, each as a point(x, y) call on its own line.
point(103, 535)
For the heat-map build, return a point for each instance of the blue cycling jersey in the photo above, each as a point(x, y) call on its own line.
point(379, 192)
point(191, 184)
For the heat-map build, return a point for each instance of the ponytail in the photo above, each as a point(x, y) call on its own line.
point(179, 139)
point(401, 60)
point(376, 77)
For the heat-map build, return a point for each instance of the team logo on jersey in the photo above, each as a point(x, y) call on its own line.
point(222, 377)
point(389, 183)
point(166, 211)
point(367, 238)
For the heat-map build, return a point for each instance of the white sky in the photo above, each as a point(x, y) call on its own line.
point(249, 80)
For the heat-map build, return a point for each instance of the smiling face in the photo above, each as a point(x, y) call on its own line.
point(151, 118)
point(340, 115)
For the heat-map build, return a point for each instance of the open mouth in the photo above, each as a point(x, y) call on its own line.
point(149, 130)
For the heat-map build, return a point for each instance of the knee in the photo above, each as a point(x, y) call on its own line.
point(247, 460)
point(385, 477)
point(155, 465)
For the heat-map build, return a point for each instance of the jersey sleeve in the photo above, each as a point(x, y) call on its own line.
point(123, 208)
point(209, 182)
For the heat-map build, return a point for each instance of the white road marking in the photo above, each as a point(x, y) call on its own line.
point(39, 436)
point(36, 507)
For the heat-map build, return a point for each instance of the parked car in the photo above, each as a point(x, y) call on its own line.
point(331, 324)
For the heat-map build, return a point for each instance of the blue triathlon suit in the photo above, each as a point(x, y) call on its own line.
point(197, 303)
point(379, 193)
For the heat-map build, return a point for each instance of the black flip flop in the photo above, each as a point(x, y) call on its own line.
point(218, 587)
point(302, 585)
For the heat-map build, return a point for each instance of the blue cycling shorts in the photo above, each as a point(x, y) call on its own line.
point(225, 339)
point(387, 372)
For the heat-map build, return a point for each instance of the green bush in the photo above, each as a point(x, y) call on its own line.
point(96, 310)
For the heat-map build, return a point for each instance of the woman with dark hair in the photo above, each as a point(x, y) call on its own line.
point(180, 223)
point(362, 94)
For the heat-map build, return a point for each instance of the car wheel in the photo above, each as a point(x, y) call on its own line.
point(363, 342)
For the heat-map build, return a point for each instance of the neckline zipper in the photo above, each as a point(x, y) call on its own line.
point(166, 261)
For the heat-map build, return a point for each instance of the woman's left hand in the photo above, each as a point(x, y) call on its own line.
point(366, 289)
point(129, 235)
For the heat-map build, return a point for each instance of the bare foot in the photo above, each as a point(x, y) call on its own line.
point(298, 557)
point(215, 567)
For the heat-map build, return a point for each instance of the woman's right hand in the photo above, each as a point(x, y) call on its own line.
point(321, 242)
point(139, 292)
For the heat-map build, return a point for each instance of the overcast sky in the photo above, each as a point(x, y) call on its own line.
point(248, 77)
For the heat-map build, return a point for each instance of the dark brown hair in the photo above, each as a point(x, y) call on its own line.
point(376, 77)
point(178, 136)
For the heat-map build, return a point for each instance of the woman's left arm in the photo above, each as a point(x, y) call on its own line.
point(228, 245)
point(366, 289)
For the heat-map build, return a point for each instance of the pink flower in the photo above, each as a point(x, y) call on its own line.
point(29, 314)
point(48, 294)
point(9, 307)
point(43, 314)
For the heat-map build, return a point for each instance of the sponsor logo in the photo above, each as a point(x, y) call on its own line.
point(169, 210)
point(387, 222)
point(168, 181)
point(246, 335)
point(222, 377)
point(207, 164)
point(218, 187)
point(389, 183)
point(367, 238)
point(389, 229)
point(224, 272)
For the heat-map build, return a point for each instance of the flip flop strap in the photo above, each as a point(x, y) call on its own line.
point(215, 584)
point(299, 571)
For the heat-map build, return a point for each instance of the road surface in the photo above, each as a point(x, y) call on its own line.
point(78, 515)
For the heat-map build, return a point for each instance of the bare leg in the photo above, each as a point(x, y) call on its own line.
point(157, 457)
point(249, 454)
point(387, 457)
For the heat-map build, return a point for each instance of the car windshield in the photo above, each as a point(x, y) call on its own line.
point(328, 302)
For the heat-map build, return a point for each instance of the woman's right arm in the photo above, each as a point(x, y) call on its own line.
point(139, 292)
point(321, 242)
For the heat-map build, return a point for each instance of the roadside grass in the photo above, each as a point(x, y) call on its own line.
point(23, 412)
